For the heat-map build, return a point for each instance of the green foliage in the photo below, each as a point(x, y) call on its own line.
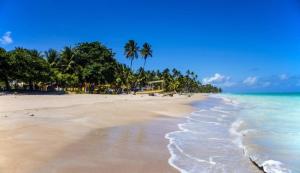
point(5, 69)
point(90, 67)
point(29, 66)
point(52, 57)
point(94, 63)
point(146, 52)
point(131, 51)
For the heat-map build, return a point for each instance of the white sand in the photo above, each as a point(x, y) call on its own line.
point(87, 133)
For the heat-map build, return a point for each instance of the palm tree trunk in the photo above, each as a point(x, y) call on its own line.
point(131, 64)
point(30, 85)
point(144, 64)
point(7, 85)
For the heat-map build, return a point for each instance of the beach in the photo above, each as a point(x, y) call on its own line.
point(88, 133)
point(149, 86)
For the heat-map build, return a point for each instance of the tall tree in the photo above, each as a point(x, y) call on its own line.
point(95, 63)
point(67, 62)
point(29, 66)
point(4, 68)
point(52, 57)
point(131, 51)
point(146, 52)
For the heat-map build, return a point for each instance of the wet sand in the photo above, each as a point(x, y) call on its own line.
point(88, 133)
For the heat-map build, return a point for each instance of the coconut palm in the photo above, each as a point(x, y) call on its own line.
point(52, 57)
point(131, 51)
point(146, 52)
point(67, 60)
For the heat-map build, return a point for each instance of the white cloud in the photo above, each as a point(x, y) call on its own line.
point(6, 38)
point(250, 81)
point(214, 79)
point(283, 77)
point(218, 79)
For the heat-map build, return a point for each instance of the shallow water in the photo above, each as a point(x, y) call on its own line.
point(274, 142)
point(207, 142)
point(228, 130)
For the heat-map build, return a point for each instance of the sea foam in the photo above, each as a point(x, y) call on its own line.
point(223, 137)
point(204, 143)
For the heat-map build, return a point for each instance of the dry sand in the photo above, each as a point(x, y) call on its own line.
point(88, 133)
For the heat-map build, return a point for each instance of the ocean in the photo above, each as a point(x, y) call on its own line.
point(234, 133)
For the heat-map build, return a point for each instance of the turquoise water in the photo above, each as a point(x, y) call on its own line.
point(229, 130)
point(275, 120)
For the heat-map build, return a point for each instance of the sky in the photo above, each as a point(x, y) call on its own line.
point(239, 45)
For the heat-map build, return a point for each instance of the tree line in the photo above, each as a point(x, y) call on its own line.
point(89, 67)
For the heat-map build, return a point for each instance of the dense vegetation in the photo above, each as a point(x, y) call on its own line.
point(88, 67)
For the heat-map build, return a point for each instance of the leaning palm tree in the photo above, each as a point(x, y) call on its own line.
point(67, 60)
point(146, 52)
point(131, 51)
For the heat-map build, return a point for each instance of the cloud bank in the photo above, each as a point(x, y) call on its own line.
point(213, 79)
point(250, 81)
point(6, 38)
point(218, 79)
point(278, 82)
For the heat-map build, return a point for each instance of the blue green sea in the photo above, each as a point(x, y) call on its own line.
point(239, 133)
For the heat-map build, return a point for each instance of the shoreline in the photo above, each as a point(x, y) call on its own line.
point(74, 133)
point(176, 151)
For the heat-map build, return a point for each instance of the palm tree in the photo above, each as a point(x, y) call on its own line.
point(4, 68)
point(176, 73)
point(131, 51)
point(67, 60)
point(146, 52)
point(52, 57)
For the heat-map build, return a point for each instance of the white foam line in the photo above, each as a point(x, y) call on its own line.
point(234, 131)
point(211, 159)
point(172, 141)
point(273, 166)
point(230, 101)
point(173, 155)
point(269, 166)
point(182, 129)
point(192, 120)
point(198, 114)
point(209, 122)
point(181, 151)
point(218, 110)
point(172, 158)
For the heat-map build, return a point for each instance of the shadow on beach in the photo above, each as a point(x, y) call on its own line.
point(23, 92)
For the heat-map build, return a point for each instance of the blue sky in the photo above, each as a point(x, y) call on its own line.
point(239, 45)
